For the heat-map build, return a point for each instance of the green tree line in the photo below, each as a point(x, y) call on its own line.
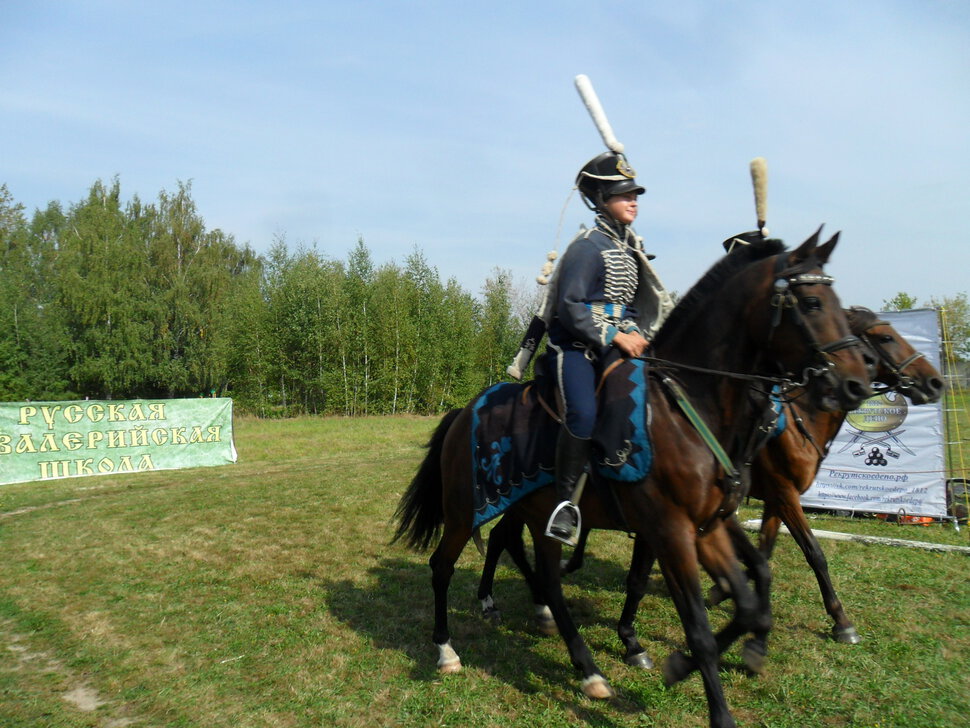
point(108, 299)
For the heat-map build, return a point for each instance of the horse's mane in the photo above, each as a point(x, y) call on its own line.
point(712, 282)
point(861, 319)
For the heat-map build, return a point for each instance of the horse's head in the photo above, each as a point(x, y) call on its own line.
point(797, 316)
point(897, 363)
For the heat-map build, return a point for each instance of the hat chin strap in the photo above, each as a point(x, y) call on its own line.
point(590, 204)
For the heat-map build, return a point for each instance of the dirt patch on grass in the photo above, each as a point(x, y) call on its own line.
point(28, 662)
point(30, 509)
point(84, 698)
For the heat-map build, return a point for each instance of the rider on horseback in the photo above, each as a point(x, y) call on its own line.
point(604, 294)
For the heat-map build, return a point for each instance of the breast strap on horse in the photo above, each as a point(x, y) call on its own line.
point(732, 483)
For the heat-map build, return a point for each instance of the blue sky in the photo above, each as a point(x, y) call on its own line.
point(455, 128)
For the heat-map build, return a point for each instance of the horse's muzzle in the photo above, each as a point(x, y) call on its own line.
point(853, 393)
point(841, 393)
point(923, 391)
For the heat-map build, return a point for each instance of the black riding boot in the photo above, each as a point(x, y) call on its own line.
point(572, 455)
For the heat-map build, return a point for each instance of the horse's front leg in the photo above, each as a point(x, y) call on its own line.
point(756, 648)
point(768, 535)
point(676, 552)
point(716, 551)
point(790, 511)
point(548, 552)
point(636, 587)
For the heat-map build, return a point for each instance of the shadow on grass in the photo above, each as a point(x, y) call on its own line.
point(396, 611)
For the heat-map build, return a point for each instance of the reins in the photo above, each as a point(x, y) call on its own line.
point(902, 380)
point(783, 382)
point(783, 299)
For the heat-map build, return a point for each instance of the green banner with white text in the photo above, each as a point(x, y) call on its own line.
point(48, 440)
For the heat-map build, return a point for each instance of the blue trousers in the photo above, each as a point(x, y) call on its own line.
point(577, 379)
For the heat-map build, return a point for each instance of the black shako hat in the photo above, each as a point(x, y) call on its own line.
point(606, 175)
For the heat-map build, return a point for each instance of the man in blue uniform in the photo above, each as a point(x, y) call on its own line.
point(604, 294)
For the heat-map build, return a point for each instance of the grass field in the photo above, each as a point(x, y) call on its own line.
point(265, 594)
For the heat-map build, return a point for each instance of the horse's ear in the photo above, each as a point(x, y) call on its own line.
point(803, 251)
point(824, 251)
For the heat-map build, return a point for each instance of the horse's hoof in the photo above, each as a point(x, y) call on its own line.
point(639, 659)
point(547, 626)
point(753, 656)
point(448, 660)
point(846, 635)
point(597, 688)
point(545, 622)
point(675, 668)
point(449, 668)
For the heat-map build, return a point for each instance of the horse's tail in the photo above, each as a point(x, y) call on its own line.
point(420, 514)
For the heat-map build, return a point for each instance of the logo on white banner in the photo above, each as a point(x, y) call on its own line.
point(875, 427)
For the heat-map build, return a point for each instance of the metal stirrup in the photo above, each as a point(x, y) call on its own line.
point(565, 505)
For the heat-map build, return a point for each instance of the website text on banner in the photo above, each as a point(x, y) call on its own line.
point(889, 456)
point(47, 440)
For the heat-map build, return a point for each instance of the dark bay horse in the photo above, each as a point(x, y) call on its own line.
point(781, 472)
point(762, 310)
point(787, 466)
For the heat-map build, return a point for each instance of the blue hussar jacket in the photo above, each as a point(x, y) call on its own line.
point(604, 284)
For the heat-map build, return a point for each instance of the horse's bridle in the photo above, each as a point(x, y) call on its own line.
point(784, 298)
point(903, 381)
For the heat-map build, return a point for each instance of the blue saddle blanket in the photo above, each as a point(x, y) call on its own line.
point(513, 443)
point(513, 438)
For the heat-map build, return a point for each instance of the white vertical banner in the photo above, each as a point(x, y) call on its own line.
point(889, 456)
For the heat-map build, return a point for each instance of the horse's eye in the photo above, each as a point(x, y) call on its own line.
point(886, 339)
point(812, 303)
